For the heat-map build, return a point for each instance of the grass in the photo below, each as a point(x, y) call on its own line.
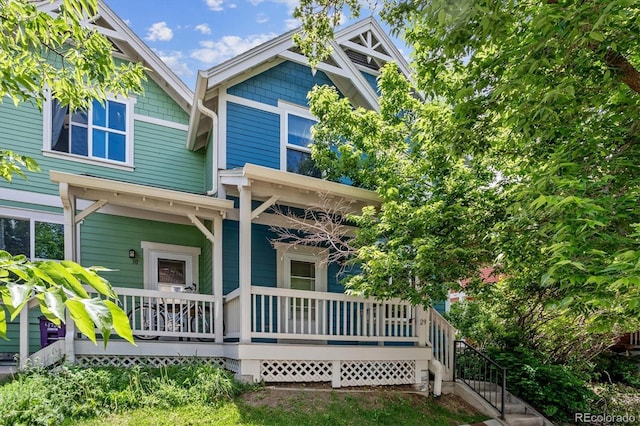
point(203, 394)
point(296, 408)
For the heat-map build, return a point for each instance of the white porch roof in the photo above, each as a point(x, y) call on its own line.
point(292, 189)
point(107, 191)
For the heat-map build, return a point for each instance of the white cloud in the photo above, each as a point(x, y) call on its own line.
point(261, 18)
point(291, 23)
point(215, 5)
point(216, 51)
point(232, 6)
point(174, 61)
point(159, 32)
point(255, 2)
point(203, 28)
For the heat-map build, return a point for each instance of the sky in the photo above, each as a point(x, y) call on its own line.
point(192, 35)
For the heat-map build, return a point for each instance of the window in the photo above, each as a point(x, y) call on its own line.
point(296, 137)
point(302, 268)
point(37, 237)
point(102, 133)
point(170, 267)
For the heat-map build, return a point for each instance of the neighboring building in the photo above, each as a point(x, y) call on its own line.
point(173, 190)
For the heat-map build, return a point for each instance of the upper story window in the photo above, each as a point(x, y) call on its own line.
point(296, 142)
point(103, 133)
point(33, 234)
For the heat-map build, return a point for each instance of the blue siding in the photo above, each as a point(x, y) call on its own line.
point(287, 81)
point(373, 81)
point(263, 258)
point(253, 136)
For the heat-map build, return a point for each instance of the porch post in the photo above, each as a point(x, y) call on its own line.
point(218, 290)
point(422, 325)
point(70, 253)
point(24, 336)
point(245, 263)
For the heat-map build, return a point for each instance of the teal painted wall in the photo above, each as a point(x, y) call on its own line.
point(263, 258)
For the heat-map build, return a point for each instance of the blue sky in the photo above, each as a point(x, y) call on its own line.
point(190, 35)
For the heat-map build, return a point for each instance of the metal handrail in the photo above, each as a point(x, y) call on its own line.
point(481, 374)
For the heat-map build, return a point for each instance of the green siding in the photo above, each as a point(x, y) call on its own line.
point(12, 345)
point(156, 103)
point(160, 156)
point(106, 240)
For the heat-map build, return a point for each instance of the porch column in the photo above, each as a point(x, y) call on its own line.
point(70, 253)
point(218, 290)
point(245, 263)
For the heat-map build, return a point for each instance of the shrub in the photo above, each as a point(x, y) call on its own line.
point(555, 390)
point(45, 397)
point(614, 368)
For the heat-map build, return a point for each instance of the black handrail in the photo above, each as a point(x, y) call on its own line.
point(480, 373)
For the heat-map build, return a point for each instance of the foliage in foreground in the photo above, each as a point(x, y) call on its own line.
point(523, 155)
point(49, 50)
point(43, 397)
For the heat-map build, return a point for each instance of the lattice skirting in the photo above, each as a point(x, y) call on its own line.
point(375, 373)
point(150, 361)
point(296, 371)
point(232, 365)
point(352, 373)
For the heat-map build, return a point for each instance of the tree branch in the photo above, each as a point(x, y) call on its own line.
point(628, 73)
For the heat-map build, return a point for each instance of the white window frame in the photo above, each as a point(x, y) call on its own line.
point(47, 150)
point(152, 251)
point(304, 254)
point(287, 109)
point(32, 216)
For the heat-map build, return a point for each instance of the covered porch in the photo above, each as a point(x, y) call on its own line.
point(259, 331)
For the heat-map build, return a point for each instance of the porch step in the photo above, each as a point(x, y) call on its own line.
point(517, 412)
point(523, 420)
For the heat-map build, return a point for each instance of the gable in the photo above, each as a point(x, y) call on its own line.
point(359, 51)
point(128, 46)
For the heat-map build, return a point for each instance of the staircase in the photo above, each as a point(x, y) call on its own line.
point(484, 383)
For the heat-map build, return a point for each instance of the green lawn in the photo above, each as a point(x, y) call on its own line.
point(284, 407)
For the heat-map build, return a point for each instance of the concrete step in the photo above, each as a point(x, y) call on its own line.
point(523, 420)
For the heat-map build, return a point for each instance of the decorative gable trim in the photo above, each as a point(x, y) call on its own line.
point(361, 46)
point(129, 46)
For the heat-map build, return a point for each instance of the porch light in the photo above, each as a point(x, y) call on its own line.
point(132, 254)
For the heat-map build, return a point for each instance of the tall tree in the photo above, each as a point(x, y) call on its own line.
point(528, 157)
point(52, 50)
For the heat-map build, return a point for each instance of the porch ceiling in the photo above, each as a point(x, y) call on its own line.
point(293, 189)
point(107, 191)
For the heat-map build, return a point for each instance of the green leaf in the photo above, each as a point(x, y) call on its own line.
point(60, 275)
point(100, 314)
point(54, 301)
point(121, 323)
point(596, 35)
point(20, 293)
point(101, 285)
point(3, 323)
point(81, 318)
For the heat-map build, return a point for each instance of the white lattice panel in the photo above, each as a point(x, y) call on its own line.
point(232, 365)
point(296, 371)
point(148, 361)
point(376, 373)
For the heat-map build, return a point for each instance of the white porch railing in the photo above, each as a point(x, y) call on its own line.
point(153, 314)
point(441, 337)
point(634, 339)
point(298, 314)
point(232, 317)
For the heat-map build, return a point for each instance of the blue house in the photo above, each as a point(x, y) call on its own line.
point(176, 192)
